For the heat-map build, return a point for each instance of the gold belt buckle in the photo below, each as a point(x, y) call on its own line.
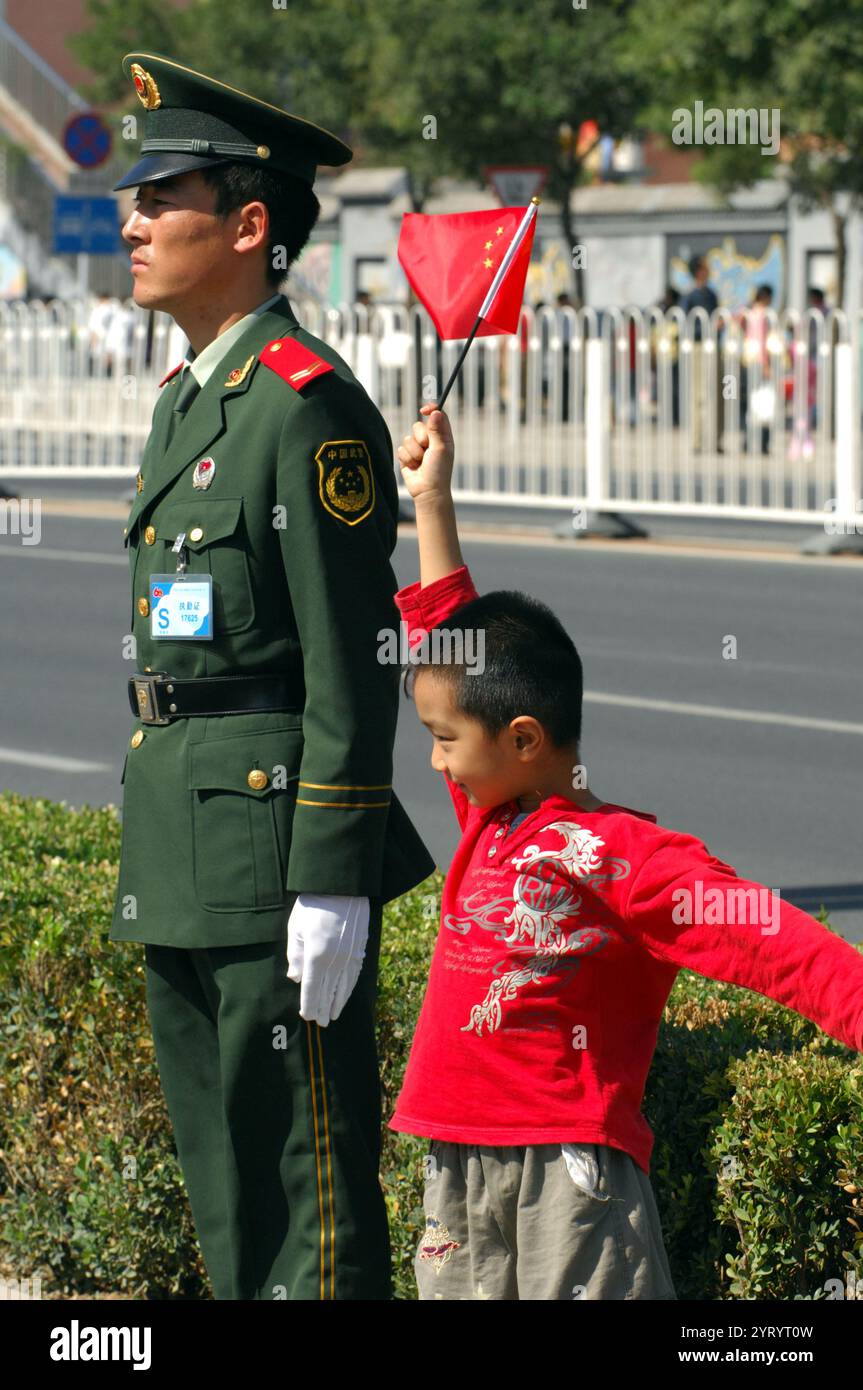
point(148, 702)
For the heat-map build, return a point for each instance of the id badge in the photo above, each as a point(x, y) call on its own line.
point(181, 607)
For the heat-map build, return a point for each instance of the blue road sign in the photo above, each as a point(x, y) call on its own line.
point(88, 225)
point(87, 139)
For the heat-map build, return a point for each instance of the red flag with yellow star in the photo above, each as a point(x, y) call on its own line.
point(451, 260)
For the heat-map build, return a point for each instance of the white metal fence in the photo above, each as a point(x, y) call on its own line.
point(754, 415)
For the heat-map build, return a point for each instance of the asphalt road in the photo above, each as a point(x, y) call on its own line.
point(741, 753)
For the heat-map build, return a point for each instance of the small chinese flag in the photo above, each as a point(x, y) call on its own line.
point(451, 260)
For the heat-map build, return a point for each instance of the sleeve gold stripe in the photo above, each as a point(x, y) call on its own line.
point(349, 787)
point(350, 805)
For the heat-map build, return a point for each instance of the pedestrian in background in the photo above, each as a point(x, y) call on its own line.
point(701, 296)
point(665, 347)
point(758, 384)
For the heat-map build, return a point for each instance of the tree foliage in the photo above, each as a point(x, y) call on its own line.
point(800, 58)
point(441, 93)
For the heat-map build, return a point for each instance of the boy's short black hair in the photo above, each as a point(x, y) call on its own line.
point(292, 204)
point(531, 666)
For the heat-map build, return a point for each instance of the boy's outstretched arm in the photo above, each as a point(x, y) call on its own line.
point(426, 457)
point(692, 909)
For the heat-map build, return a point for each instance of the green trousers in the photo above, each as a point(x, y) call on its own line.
point(277, 1121)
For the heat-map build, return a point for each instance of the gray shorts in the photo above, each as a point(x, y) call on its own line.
point(542, 1221)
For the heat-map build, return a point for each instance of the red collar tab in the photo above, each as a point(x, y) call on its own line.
point(173, 372)
point(296, 364)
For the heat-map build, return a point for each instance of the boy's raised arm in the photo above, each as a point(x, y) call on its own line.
point(426, 457)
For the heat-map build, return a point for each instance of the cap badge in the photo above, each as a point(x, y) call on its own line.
point(204, 472)
point(145, 86)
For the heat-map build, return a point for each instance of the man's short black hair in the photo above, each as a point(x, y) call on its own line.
point(695, 264)
point(291, 203)
point(531, 666)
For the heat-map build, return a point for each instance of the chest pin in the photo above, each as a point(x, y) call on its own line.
point(204, 472)
point(239, 374)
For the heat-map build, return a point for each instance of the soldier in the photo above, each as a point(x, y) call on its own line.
point(261, 835)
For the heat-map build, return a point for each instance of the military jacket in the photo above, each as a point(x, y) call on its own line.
point(294, 516)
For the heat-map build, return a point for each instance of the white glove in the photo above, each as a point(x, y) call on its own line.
point(327, 938)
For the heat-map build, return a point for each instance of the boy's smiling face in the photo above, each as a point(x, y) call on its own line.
point(490, 771)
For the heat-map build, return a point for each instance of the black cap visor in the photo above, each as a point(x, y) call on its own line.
point(154, 167)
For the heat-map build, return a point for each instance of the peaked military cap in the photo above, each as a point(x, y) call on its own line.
point(193, 121)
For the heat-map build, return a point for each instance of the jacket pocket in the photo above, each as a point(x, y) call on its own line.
point(217, 543)
point(243, 791)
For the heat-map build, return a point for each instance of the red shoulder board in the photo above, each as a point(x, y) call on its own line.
point(173, 372)
point(295, 363)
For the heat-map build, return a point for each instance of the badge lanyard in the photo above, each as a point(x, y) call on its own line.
point(181, 604)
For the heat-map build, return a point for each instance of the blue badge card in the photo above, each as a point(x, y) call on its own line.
point(181, 606)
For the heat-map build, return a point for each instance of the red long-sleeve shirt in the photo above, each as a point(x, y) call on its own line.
point(559, 943)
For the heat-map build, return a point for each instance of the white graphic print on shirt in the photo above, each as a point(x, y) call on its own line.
point(539, 905)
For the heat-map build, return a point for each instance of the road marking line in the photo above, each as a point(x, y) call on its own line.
point(52, 761)
point(45, 553)
point(750, 716)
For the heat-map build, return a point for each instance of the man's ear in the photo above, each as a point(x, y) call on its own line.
point(254, 224)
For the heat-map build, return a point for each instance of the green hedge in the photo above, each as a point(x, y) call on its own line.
point(757, 1166)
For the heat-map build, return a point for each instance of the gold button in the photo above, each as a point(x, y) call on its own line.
point(275, 347)
point(150, 535)
point(196, 533)
point(137, 738)
point(148, 668)
point(257, 779)
point(263, 152)
point(143, 607)
point(125, 530)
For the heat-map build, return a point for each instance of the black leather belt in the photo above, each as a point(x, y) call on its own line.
point(158, 698)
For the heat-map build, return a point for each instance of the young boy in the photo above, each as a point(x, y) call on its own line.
point(565, 920)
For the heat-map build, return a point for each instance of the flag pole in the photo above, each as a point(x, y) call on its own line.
point(521, 233)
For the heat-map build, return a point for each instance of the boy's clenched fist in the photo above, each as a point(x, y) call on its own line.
point(426, 455)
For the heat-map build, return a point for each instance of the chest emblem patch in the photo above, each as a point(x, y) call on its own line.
point(346, 484)
point(205, 470)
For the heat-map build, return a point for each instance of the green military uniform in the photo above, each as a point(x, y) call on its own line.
point(277, 482)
